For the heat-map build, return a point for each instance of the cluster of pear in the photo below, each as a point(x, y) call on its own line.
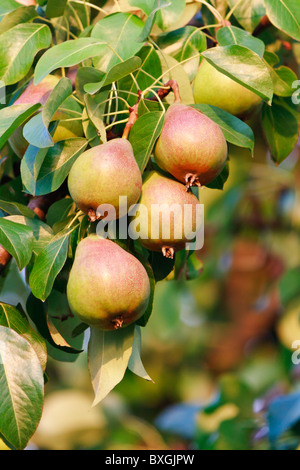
point(108, 287)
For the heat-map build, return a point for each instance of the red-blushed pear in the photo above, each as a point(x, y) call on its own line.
point(40, 93)
point(214, 88)
point(103, 174)
point(191, 146)
point(166, 217)
point(108, 288)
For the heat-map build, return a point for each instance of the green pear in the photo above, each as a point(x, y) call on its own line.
point(191, 146)
point(104, 173)
point(34, 94)
point(108, 288)
point(214, 88)
point(160, 215)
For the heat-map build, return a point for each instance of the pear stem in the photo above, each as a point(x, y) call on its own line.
point(133, 116)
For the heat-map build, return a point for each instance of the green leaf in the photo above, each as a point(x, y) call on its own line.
point(48, 264)
point(67, 54)
point(18, 48)
point(16, 319)
point(38, 313)
point(42, 233)
point(108, 356)
point(157, 6)
point(115, 73)
point(12, 117)
point(54, 168)
point(17, 240)
point(115, 30)
point(36, 130)
point(135, 362)
point(174, 70)
point(220, 180)
point(6, 6)
point(283, 80)
point(230, 35)
point(280, 125)
point(235, 131)
point(244, 66)
point(285, 15)
point(55, 9)
point(21, 388)
point(161, 266)
point(170, 14)
point(143, 136)
point(18, 16)
point(16, 208)
point(248, 12)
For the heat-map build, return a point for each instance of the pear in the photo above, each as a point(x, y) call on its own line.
point(34, 94)
point(191, 146)
point(104, 173)
point(214, 88)
point(108, 288)
point(160, 215)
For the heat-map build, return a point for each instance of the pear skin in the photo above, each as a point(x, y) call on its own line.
point(170, 200)
point(191, 147)
point(108, 288)
point(214, 88)
point(102, 174)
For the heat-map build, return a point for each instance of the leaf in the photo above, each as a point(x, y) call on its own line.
point(21, 388)
point(161, 266)
point(6, 6)
point(18, 16)
point(115, 30)
point(173, 70)
point(135, 362)
point(243, 66)
point(38, 313)
point(12, 117)
point(235, 131)
point(36, 130)
point(67, 54)
point(16, 208)
point(48, 264)
point(248, 12)
point(280, 125)
point(283, 80)
point(55, 9)
point(220, 180)
point(157, 6)
point(285, 15)
point(18, 48)
point(17, 240)
point(55, 167)
point(15, 318)
point(230, 35)
point(42, 233)
point(170, 14)
point(108, 356)
point(117, 72)
point(143, 136)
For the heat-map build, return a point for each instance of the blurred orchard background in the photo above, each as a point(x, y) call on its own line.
point(220, 347)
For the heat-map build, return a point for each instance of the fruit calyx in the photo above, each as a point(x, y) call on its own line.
point(168, 252)
point(191, 180)
point(118, 322)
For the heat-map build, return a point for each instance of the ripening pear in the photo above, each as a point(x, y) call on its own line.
point(34, 94)
point(214, 88)
point(166, 217)
point(191, 146)
point(103, 174)
point(108, 288)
